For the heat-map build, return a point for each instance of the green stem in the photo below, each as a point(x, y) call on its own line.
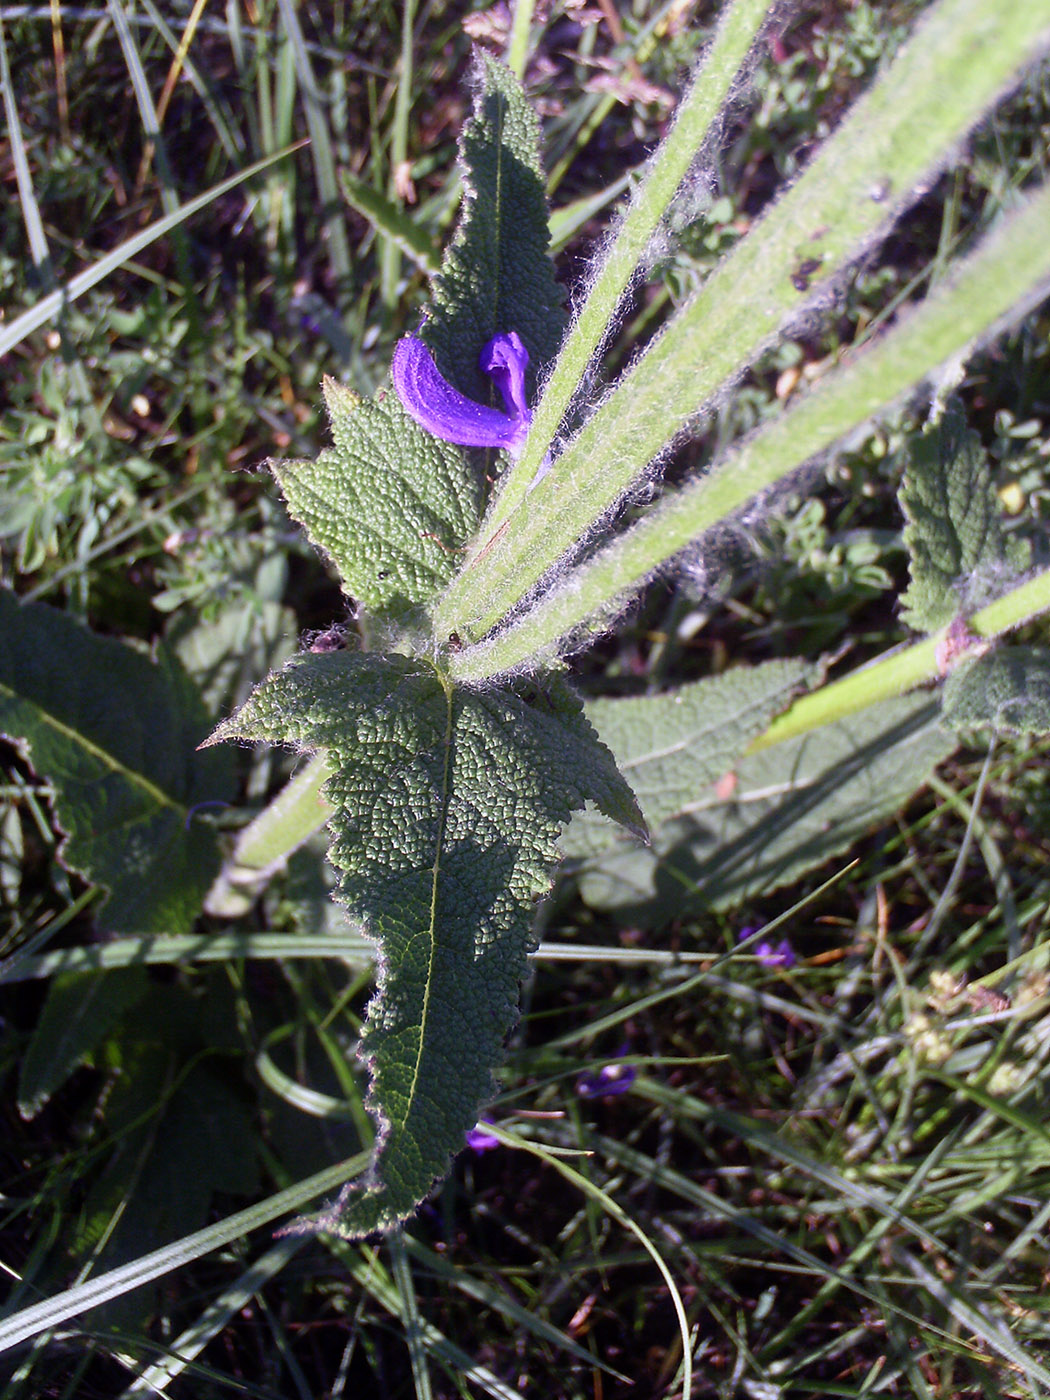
point(390, 255)
point(1007, 272)
point(263, 846)
point(904, 668)
point(961, 58)
point(694, 119)
point(518, 43)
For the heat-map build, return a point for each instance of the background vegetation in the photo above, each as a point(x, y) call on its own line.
point(834, 1135)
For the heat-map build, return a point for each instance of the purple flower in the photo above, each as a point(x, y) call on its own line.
point(783, 955)
point(614, 1078)
point(432, 401)
point(478, 1140)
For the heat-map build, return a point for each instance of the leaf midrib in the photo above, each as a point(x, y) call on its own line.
point(439, 845)
point(77, 737)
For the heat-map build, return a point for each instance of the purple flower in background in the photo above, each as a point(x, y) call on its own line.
point(478, 1140)
point(613, 1078)
point(431, 400)
point(783, 955)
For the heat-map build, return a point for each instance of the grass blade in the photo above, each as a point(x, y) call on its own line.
point(50, 306)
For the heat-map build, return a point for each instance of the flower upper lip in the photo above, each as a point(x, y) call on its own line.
point(432, 401)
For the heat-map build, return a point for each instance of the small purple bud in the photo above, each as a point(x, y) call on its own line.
point(202, 806)
point(611, 1079)
point(478, 1140)
point(432, 401)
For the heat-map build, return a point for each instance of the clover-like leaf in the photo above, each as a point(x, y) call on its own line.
point(448, 805)
point(958, 551)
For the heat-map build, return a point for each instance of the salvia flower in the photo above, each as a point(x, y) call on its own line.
point(430, 399)
point(613, 1078)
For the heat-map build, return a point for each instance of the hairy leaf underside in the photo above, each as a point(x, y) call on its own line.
point(787, 809)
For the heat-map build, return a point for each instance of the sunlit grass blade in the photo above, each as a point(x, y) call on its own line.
point(567, 220)
point(218, 111)
point(517, 54)
point(34, 224)
point(405, 1285)
point(496, 1297)
point(322, 153)
point(390, 248)
point(49, 306)
point(391, 222)
point(180, 1355)
point(617, 1212)
point(364, 1267)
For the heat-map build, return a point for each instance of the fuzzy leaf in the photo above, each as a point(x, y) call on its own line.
point(448, 803)
point(794, 806)
point(671, 748)
point(389, 503)
point(1007, 690)
point(958, 551)
point(496, 274)
point(115, 733)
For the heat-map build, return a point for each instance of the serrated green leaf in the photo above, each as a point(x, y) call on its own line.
point(392, 505)
point(794, 806)
point(116, 735)
point(496, 274)
point(1007, 690)
point(958, 551)
point(448, 804)
point(672, 747)
point(80, 1010)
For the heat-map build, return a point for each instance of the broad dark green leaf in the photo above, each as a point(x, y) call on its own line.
point(194, 1138)
point(1006, 690)
point(116, 735)
point(496, 274)
point(793, 807)
point(390, 504)
point(448, 805)
point(80, 1011)
point(959, 555)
